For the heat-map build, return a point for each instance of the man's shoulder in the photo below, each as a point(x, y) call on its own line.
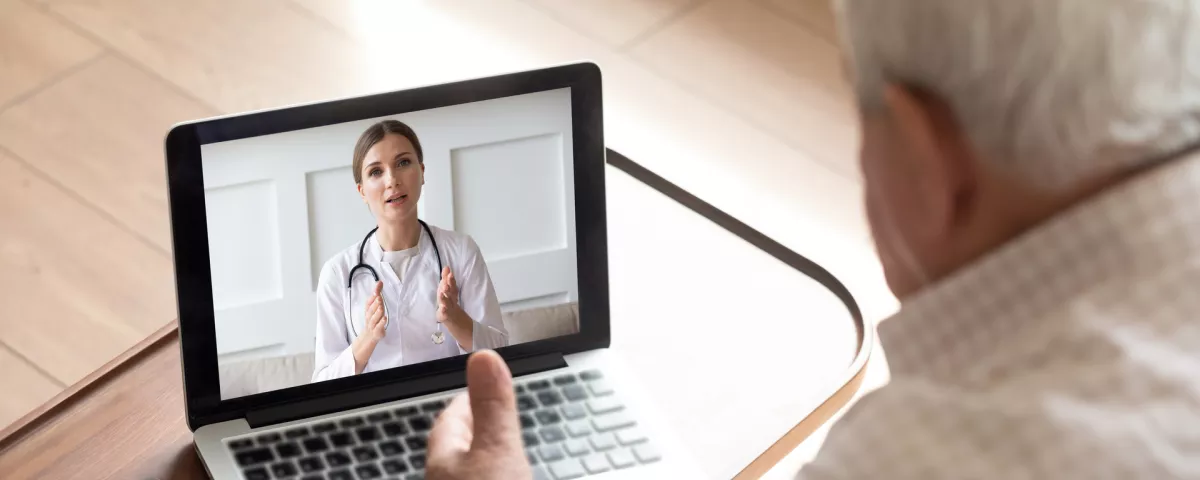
point(916, 428)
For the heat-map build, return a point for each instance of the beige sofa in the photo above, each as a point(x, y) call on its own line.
point(261, 375)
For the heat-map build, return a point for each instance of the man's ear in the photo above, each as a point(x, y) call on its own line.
point(937, 160)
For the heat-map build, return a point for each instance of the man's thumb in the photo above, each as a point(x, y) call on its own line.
point(493, 404)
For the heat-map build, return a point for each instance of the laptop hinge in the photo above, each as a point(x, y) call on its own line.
point(408, 388)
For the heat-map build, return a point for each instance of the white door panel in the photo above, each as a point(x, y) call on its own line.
point(278, 206)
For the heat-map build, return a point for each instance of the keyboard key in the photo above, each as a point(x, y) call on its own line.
point(519, 389)
point(325, 427)
point(365, 453)
point(394, 429)
point(630, 436)
point(533, 460)
point(313, 477)
point(295, 433)
point(420, 424)
point(341, 439)
point(269, 438)
point(621, 459)
point(566, 469)
point(577, 447)
point(575, 393)
point(255, 456)
point(433, 407)
point(394, 466)
point(530, 439)
point(599, 388)
point(288, 450)
point(259, 473)
point(416, 442)
point(539, 385)
point(390, 448)
point(549, 398)
point(311, 464)
point(405, 411)
point(284, 470)
point(417, 460)
point(415, 476)
point(241, 444)
point(341, 475)
point(368, 472)
point(315, 445)
point(590, 375)
point(527, 421)
point(574, 411)
point(367, 434)
point(612, 421)
point(337, 459)
point(379, 417)
point(526, 403)
point(547, 417)
point(551, 453)
point(352, 422)
point(603, 441)
point(646, 453)
point(578, 429)
point(596, 463)
point(552, 434)
point(604, 405)
point(564, 379)
point(540, 473)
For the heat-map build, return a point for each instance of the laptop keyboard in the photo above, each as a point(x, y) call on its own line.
point(573, 425)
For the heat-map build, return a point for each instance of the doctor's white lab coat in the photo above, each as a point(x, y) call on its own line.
point(411, 306)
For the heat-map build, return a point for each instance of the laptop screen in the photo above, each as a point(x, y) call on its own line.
point(363, 246)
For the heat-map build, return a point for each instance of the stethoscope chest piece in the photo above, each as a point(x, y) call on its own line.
point(438, 337)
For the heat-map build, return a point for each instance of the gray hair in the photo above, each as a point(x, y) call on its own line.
point(1060, 89)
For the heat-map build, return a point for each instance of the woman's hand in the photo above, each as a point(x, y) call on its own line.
point(450, 313)
point(364, 345)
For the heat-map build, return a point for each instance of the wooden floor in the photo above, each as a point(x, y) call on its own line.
point(740, 101)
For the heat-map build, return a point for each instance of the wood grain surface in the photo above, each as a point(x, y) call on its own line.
point(126, 421)
point(123, 421)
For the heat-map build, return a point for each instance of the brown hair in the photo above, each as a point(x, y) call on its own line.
point(375, 134)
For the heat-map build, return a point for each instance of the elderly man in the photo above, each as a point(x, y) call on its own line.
point(1032, 173)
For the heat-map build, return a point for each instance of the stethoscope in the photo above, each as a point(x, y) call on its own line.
point(437, 336)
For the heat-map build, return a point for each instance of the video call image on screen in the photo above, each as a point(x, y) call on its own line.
point(484, 189)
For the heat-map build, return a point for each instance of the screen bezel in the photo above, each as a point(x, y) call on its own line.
point(193, 277)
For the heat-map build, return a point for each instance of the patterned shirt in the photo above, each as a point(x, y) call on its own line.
point(1072, 351)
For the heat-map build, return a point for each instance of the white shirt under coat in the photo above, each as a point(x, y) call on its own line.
point(411, 304)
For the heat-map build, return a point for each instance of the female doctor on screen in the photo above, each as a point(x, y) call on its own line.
point(415, 311)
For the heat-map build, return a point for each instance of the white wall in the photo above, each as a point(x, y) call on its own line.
point(279, 205)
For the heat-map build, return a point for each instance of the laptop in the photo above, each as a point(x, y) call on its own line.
point(270, 224)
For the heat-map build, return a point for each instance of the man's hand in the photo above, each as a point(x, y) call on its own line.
point(478, 436)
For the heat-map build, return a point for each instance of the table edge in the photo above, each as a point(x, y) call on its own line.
point(841, 392)
point(29, 422)
point(803, 429)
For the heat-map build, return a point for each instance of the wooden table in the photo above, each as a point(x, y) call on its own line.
point(126, 420)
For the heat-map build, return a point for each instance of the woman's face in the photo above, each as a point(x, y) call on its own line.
point(392, 179)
